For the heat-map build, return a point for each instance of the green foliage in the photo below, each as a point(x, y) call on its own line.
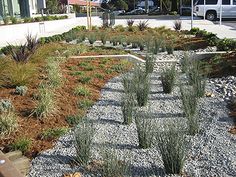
point(14, 20)
point(21, 90)
point(53, 6)
point(168, 79)
point(170, 48)
point(22, 144)
point(70, 36)
point(46, 102)
point(85, 104)
point(171, 143)
point(103, 37)
point(83, 140)
point(185, 63)
point(85, 79)
point(113, 165)
point(77, 73)
point(142, 86)
point(92, 38)
point(144, 129)
point(73, 120)
point(99, 76)
point(150, 63)
point(6, 20)
point(157, 42)
point(8, 122)
point(82, 91)
point(54, 72)
point(53, 133)
point(127, 106)
point(6, 105)
point(226, 45)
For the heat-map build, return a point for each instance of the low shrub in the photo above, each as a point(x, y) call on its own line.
point(92, 38)
point(119, 28)
point(82, 91)
point(142, 86)
point(70, 36)
point(171, 143)
point(143, 25)
point(21, 90)
point(8, 122)
point(113, 165)
point(6, 20)
point(14, 20)
point(144, 129)
point(83, 140)
point(170, 48)
point(150, 63)
point(46, 102)
point(168, 79)
point(6, 105)
point(73, 120)
point(85, 104)
point(22, 144)
point(52, 133)
point(85, 79)
point(226, 45)
point(103, 38)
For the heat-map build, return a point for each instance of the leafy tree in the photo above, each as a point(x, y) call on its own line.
point(53, 6)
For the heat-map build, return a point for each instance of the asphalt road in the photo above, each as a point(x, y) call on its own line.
point(228, 22)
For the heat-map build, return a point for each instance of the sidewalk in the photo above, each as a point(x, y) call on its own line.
point(15, 34)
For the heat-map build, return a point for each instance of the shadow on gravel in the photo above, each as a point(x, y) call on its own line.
point(61, 159)
point(112, 90)
point(106, 121)
point(170, 97)
point(147, 171)
point(108, 103)
point(166, 115)
point(116, 146)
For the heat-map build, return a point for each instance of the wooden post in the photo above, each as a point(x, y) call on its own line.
point(87, 7)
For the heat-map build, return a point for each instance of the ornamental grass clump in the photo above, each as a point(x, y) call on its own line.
point(144, 129)
point(8, 122)
point(142, 86)
point(54, 72)
point(196, 79)
point(46, 102)
point(185, 63)
point(168, 79)
point(156, 45)
point(92, 38)
point(171, 143)
point(103, 38)
point(143, 25)
point(83, 141)
point(114, 166)
point(177, 25)
point(189, 104)
point(150, 63)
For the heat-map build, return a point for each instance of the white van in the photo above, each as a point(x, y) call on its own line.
point(212, 9)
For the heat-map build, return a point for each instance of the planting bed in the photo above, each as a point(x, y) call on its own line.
point(211, 152)
point(30, 127)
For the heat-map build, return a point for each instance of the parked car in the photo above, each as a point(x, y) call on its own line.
point(155, 11)
point(118, 12)
point(136, 12)
point(212, 9)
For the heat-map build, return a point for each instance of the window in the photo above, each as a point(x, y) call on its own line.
point(226, 2)
point(234, 2)
point(211, 2)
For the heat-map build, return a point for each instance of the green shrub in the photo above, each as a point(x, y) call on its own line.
point(14, 20)
point(73, 120)
point(22, 144)
point(171, 143)
point(52, 133)
point(142, 86)
point(21, 90)
point(6, 20)
point(168, 79)
point(28, 20)
point(150, 63)
point(99, 76)
point(127, 106)
point(226, 45)
point(46, 103)
point(144, 129)
point(82, 91)
point(70, 36)
point(85, 79)
point(103, 38)
point(83, 140)
point(119, 28)
point(77, 73)
point(118, 68)
point(8, 122)
point(92, 38)
point(85, 104)
point(114, 166)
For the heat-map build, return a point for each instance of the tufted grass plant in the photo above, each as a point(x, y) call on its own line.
point(8, 122)
point(54, 72)
point(113, 165)
point(53, 133)
point(46, 102)
point(127, 106)
point(83, 140)
point(85, 104)
point(144, 129)
point(142, 86)
point(82, 91)
point(92, 38)
point(171, 144)
point(185, 63)
point(103, 37)
point(22, 144)
point(168, 79)
point(73, 120)
point(149, 65)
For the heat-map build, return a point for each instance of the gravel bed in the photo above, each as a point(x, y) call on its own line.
point(211, 152)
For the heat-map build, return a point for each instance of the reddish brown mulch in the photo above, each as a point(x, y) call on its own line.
point(31, 127)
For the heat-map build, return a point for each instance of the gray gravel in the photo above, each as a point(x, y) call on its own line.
point(211, 152)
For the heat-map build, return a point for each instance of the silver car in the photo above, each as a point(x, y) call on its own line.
point(212, 9)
